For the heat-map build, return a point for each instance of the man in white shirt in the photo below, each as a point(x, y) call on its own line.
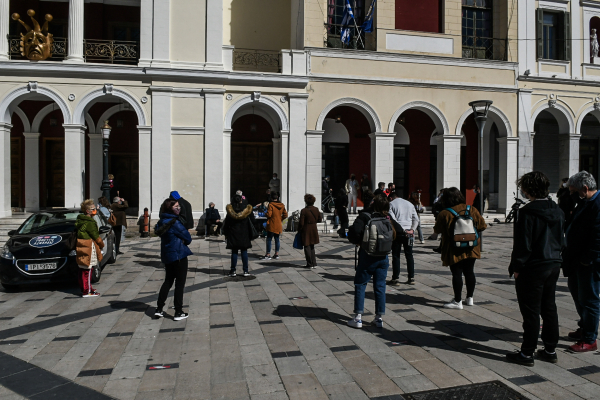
point(352, 190)
point(405, 216)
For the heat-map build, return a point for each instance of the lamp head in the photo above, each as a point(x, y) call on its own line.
point(480, 108)
point(106, 130)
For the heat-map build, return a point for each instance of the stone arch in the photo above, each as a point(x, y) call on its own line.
point(39, 117)
point(24, 119)
point(106, 115)
point(86, 102)
point(590, 110)
point(566, 123)
point(357, 104)
point(263, 106)
point(432, 111)
point(32, 89)
point(496, 115)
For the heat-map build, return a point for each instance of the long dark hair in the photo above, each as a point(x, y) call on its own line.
point(452, 197)
point(381, 204)
point(167, 206)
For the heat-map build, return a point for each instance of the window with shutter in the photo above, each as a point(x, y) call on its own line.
point(553, 35)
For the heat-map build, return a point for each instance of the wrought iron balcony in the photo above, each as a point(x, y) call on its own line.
point(97, 51)
point(334, 34)
point(256, 60)
point(484, 48)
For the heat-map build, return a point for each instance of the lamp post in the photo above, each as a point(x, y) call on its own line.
point(105, 182)
point(480, 112)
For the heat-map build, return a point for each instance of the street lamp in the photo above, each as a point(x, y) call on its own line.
point(480, 113)
point(105, 182)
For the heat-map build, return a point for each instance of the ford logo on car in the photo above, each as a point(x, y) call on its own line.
point(45, 241)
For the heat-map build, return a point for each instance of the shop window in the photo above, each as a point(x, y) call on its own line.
point(553, 35)
point(421, 16)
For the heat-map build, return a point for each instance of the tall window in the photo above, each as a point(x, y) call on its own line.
point(335, 16)
point(477, 29)
point(553, 35)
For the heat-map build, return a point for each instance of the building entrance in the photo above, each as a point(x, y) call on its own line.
point(125, 168)
point(588, 156)
point(53, 181)
point(251, 169)
point(336, 160)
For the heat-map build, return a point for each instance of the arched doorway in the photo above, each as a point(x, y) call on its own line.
point(251, 157)
point(589, 145)
point(546, 148)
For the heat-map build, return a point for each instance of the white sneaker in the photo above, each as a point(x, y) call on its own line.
point(377, 322)
point(469, 301)
point(454, 305)
point(355, 323)
point(422, 241)
point(247, 274)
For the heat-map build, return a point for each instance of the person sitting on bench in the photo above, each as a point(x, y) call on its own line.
point(213, 220)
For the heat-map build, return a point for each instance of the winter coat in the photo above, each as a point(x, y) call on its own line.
point(341, 202)
point(538, 237)
point(212, 214)
point(583, 237)
point(443, 224)
point(87, 236)
point(119, 212)
point(174, 239)
point(309, 217)
point(476, 201)
point(237, 226)
point(275, 214)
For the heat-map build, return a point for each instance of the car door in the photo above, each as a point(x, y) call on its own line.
point(104, 235)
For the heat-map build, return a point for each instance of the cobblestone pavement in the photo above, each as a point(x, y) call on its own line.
point(280, 335)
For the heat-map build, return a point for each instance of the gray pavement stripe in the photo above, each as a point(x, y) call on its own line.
point(65, 338)
point(582, 371)
point(11, 342)
point(171, 330)
point(218, 326)
point(283, 354)
point(119, 334)
point(343, 348)
point(526, 380)
point(95, 372)
point(277, 321)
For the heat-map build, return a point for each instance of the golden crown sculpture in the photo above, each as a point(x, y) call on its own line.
point(36, 44)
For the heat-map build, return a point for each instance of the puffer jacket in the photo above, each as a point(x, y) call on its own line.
point(275, 214)
point(87, 236)
point(174, 239)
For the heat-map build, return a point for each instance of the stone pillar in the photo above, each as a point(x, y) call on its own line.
point(161, 149)
point(74, 164)
point(314, 161)
point(5, 189)
point(297, 163)
point(526, 134)
point(382, 157)
point(568, 154)
point(96, 164)
point(161, 39)
point(284, 173)
point(217, 150)
point(4, 27)
point(508, 154)
point(146, 26)
point(448, 161)
point(32, 171)
point(75, 40)
point(145, 168)
point(214, 34)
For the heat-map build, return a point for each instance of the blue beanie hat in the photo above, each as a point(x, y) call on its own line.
point(175, 195)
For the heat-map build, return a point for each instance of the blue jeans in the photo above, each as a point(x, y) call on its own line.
point(586, 294)
point(270, 235)
point(234, 257)
point(377, 268)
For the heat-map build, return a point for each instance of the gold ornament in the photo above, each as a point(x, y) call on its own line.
point(36, 44)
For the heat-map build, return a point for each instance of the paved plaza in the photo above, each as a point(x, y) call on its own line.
point(281, 334)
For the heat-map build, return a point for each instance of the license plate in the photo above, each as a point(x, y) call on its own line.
point(40, 267)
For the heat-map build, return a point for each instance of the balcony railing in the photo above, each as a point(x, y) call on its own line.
point(334, 34)
point(97, 51)
point(484, 48)
point(256, 60)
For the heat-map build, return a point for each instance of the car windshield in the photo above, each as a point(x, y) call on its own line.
point(58, 222)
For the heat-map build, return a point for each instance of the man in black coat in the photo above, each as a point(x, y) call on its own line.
point(185, 216)
point(213, 218)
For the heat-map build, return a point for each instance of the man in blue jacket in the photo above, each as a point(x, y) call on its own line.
point(582, 261)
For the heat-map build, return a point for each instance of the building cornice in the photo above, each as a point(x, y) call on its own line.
point(589, 3)
point(559, 81)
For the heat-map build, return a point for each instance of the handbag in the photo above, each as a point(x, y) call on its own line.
point(112, 220)
point(253, 233)
point(298, 242)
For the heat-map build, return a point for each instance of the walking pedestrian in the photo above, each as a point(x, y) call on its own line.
point(415, 199)
point(186, 217)
point(275, 184)
point(118, 208)
point(237, 232)
point(405, 220)
point(535, 263)
point(582, 261)
point(380, 189)
point(352, 191)
point(276, 213)
point(341, 209)
point(461, 260)
point(370, 265)
point(477, 202)
point(391, 188)
point(174, 252)
point(213, 220)
point(309, 217)
point(88, 247)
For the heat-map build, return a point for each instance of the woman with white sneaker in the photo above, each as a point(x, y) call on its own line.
point(461, 260)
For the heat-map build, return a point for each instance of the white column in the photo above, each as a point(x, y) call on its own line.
point(74, 164)
point(448, 161)
point(314, 160)
point(283, 166)
point(214, 34)
point(4, 27)
point(146, 26)
point(5, 210)
point(217, 150)
point(161, 38)
point(277, 156)
point(161, 149)
point(75, 40)
point(297, 143)
point(32, 171)
point(382, 157)
point(508, 153)
point(145, 167)
point(568, 154)
point(96, 165)
point(576, 32)
point(526, 134)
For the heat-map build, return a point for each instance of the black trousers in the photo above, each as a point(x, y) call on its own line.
point(176, 272)
point(465, 267)
point(311, 258)
point(535, 293)
point(210, 225)
point(118, 230)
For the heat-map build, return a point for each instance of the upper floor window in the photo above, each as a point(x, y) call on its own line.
point(553, 35)
point(477, 29)
point(421, 15)
point(335, 28)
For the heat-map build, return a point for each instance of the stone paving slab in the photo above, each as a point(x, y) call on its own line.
point(282, 333)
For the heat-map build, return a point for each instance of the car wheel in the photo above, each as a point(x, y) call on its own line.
point(9, 288)
point(113, 255)
point(96, 273)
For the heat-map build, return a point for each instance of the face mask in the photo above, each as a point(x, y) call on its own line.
point(212, 206)
point(93, 212)
point(523, 194)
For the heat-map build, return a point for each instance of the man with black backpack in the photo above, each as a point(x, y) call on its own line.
point(373, 232)
point(405, 220)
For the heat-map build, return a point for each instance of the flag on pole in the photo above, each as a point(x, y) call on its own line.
point(367, 26)
point(348, 16)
